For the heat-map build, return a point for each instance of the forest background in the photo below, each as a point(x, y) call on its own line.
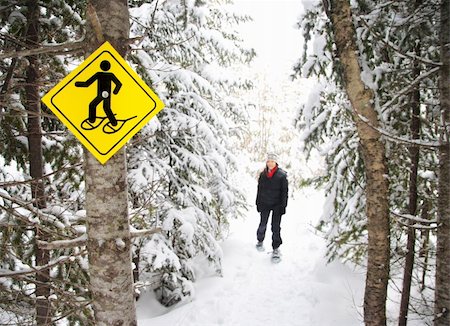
point(378, 114)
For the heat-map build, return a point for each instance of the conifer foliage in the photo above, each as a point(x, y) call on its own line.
point(179, 165)
point(398, 48)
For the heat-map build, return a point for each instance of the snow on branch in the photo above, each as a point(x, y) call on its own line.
point(399, 51)
point(31, 180)
point(414, 221)
point(33, 270)
point(31, 210)
point(144, 233)
point(435, 144)
point(63, 244)
point(413, 218)
point(409, 88)
point(81, 240)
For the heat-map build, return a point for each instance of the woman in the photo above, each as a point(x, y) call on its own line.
point(272, 197)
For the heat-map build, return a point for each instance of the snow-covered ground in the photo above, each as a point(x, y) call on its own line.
point(301, 290)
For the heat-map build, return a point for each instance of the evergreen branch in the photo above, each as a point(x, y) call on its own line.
point(31, 209)
point(24, 218)
point(408, 88)
point(413, 218)
point(38, 269)
point(73, 311)
point(81, 240)
point(54, 49)
point(25, 112)
point(18, 183)
point(400, 139)
point(397, 49)
point(8, 78)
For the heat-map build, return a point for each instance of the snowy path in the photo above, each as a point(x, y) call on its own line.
point(300, 290)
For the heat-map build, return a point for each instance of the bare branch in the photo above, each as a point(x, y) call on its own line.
point(63, 244)
point(417, 226)
point(413, 218)
point(144, 233)
point(55, 49)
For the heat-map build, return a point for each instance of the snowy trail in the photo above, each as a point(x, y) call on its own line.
point(301, 290)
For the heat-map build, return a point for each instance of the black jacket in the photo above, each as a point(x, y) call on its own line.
point(273, 192)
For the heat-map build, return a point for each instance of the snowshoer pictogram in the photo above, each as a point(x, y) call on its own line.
point(104, 84)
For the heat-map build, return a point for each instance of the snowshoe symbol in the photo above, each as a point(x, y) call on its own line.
point(88, 125)
point(108, 128)
point(105, 80)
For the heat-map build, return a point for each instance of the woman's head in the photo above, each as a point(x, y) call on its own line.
point(271, 161)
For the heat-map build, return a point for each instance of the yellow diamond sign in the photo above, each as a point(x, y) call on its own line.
point(103, 102)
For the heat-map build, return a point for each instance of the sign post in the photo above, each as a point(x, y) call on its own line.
point(103, 102)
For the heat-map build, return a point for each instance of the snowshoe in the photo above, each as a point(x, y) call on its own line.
point(276, 256)
point(87, 125)
point(259, 246)
point(109, 128)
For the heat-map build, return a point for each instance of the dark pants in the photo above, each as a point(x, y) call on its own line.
point(276, 220)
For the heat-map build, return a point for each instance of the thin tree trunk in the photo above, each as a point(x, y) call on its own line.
point(136, 259)
point(425, 235)
point(442, 292)
point(109, 241)
point(412, 203)
point(377, 187)
point(43, 316)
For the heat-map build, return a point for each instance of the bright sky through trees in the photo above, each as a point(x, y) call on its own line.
point(273, 34)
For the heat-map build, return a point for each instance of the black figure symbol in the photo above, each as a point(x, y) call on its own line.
point(104, 80)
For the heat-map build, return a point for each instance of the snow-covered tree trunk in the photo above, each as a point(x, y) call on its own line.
point(109, 242)
point(442, 292)
point(32, 100)
point(377, 188)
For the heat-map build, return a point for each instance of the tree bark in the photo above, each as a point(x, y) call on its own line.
point(377, 186)
point(425, 240)
point(109, 240)
point(32, 100)
point(412, 202)
point(442, 292)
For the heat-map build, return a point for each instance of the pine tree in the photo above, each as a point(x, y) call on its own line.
point(59, 178)
point(442, 293)
point(180, 164)
point(387, 34)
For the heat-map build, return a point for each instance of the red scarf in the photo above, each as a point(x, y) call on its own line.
point(269, 174)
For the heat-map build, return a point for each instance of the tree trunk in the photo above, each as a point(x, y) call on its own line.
point(412, 203)
point(109, 242)
point(32, 99)
point(377, 187)
point(442, 292)
point(425, 236)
